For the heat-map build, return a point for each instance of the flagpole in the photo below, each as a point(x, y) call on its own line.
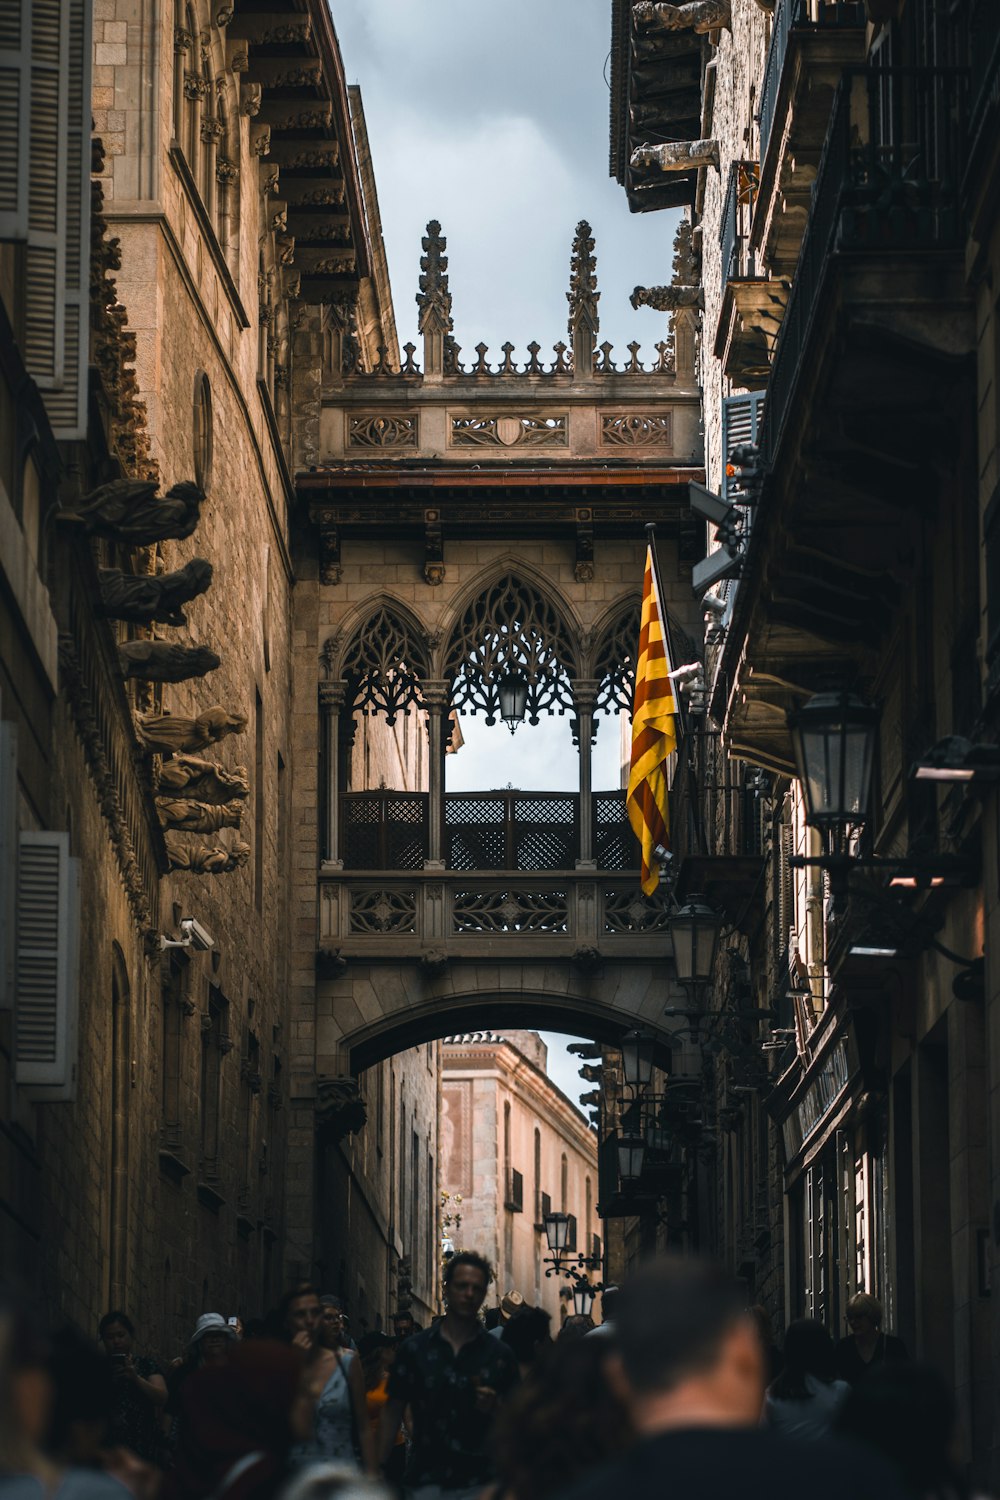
point(679, 709)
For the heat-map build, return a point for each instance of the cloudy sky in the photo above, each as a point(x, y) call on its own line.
point(494, 119)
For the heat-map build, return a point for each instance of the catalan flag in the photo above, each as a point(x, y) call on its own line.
point(654, 734)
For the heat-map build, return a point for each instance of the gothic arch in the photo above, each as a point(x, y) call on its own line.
point(383, 658)
point(615, 643)
point(512, 623)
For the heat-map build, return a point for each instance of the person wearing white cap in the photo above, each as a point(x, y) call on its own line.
point(210, 1344)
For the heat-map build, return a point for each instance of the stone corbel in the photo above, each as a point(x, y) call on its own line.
point(330, 570)
point(434, 570)
point(340, 1109)
point(267, 177)
point(676, 156)
point(250, 99)
point(237, 57)
point(277, 216)
point(291, 281)
point(285, 247)
point(260, 139)
point(583, 569)
point(224, 14)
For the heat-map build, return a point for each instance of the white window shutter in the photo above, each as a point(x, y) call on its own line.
point(15, 108)
point(8, 860)
point(47, 965)
point(45, 265)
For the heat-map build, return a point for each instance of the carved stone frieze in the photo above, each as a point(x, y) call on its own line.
point(287, 114)
point(324, 230)
point(313, 194)
point(510, 432)
point(293, 73)
point(382, 430)
point(380, 911)
point(637, 429)
point(319, 155)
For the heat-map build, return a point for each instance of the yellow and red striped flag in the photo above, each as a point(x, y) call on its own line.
point(654, 734)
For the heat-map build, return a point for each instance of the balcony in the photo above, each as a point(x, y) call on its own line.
point(812, 41)
point(494, 830)
point(752, 303)
point(854, 432)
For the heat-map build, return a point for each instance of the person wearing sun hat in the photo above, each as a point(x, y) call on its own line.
point(511, 1306)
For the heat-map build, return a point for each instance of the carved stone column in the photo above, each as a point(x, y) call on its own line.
point(332, 696)
point(584, 728)
point(437, 700)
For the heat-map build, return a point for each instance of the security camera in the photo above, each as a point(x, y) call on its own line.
point(197, 938)
point(714, 604)
point(194, 936)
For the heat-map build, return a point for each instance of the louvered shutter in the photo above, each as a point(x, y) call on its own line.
point(740, 422)
point(15, 124)
point(8, 860)
point(47, 965)
point(67, 404)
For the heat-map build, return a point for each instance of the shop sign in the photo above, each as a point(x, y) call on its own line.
point(817, 1100)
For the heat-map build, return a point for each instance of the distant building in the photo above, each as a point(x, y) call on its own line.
point(515, 1148)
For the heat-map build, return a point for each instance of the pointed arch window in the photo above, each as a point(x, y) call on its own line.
point(511, 628)
point(614, 662)
point(385, 666)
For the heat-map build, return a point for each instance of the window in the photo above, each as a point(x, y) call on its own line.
point(571, 1232)
point(563, 1183)
point(203, 435)
point(538, 1180)
point(212, 1051)
point(47, 960)
point(515, 1192)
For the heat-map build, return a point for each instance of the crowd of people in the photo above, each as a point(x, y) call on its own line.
point(681, 1390)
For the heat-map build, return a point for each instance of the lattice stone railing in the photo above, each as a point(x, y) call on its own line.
point(502, 914)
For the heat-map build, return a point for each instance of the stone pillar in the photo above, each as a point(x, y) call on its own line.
point(332, 696)
point(584, 728)
point(437, 700)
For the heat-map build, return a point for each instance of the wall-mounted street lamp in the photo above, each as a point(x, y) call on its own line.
point(695, 928)
point(631, 1158)
point(513, 690)
point(957, 760)
point(833, 737)
point(560, 1263)
point(637, 1059)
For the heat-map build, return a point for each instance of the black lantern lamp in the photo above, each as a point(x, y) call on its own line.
point(583, 1297)
point(637, 1059)
point(631, 1158)
point(557, 1232)
point(695, 929)
point(833, 736)
point(513, 693)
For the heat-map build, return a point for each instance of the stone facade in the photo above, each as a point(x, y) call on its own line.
point(514, 1148)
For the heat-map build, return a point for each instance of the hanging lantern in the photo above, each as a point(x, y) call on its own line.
point(513, 693)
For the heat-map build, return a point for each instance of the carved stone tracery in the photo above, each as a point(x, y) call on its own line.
point(637, 429)
point(509, 432)
point(385, 665)
point(510, 628)
point(614, 662)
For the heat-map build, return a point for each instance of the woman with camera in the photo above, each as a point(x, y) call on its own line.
point(140, 1390)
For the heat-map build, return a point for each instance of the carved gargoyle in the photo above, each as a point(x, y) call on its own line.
point(340, 1109)
point(162, 661)
point(695, 15)
point(141, 599)
point(202, 780)
point(677, 156)
point(170, 734)
point(668, 298)
point(205, 859)
point(186, 816)
point(129, 511)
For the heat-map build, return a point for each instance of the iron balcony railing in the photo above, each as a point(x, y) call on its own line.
point(794, 15)
point(737, 260)
point(888, 180)
point(494, 830)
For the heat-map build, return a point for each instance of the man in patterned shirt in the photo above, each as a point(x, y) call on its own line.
point(452, 1377)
